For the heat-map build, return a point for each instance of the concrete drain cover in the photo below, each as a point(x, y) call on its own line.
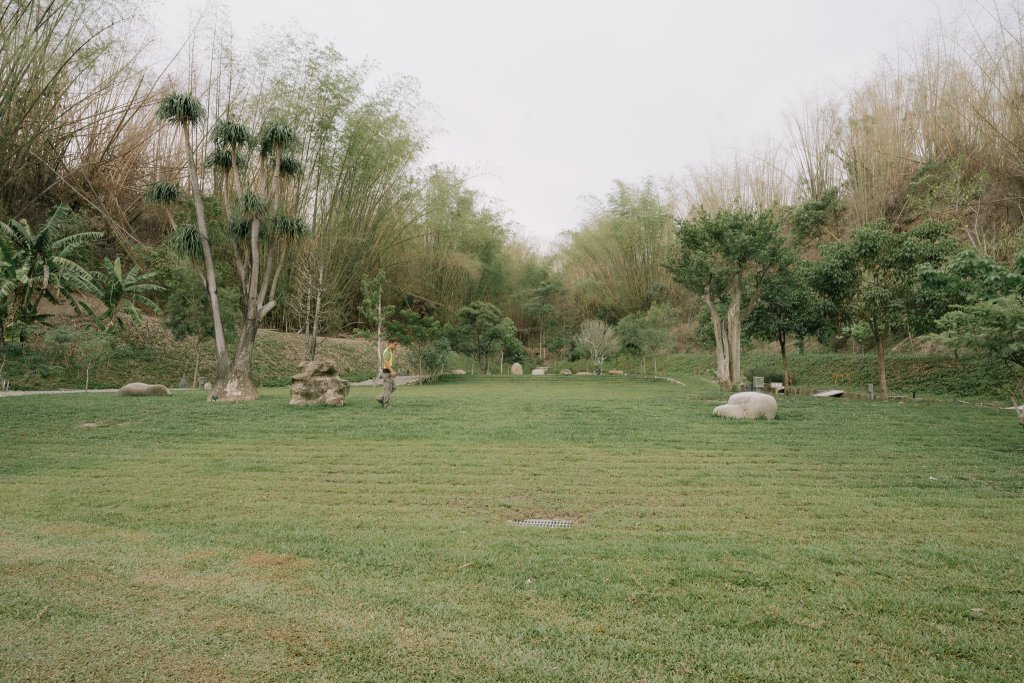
point(545, 523)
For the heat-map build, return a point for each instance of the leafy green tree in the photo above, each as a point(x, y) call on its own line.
point(727, 258)
point(541, 309)
point(187, 312)
point(598, 341)
point(419, 334)
point(121, 293)
point(374, 312)
point(645, 334)
point(874, 278)
point(992, 326)
point(481, 331)
point(966, 278)
point(788, 307)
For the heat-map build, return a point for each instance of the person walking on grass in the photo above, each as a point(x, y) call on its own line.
point(388, 361)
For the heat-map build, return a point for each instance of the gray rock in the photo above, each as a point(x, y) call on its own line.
point(616, 372)
point(208, 386)
point(318, 383)
point(567, 371)
point(585, 373)
point(749, 405)
point(183, 383)
point(538, 371)
point(458, 372)
point(143, 389)
point(516, 369)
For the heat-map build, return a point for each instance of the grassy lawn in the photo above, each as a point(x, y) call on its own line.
point(172, 539)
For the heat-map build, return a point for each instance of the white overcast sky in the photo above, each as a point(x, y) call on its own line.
point(545, 103)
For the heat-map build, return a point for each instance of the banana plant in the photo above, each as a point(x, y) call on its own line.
point(122, 293)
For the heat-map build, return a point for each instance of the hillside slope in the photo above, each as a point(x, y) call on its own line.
point(64, 356)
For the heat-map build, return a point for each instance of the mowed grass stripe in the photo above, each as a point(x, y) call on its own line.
point(175, 539)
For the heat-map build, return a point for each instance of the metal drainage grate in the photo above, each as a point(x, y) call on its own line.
point(545, 523)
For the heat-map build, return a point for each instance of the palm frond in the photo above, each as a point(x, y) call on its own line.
point(163, 192)
point(252, 206)
point(289, 227)
point(277, 136)
point(181, 108)
point(219, 158)
point(227, 133)
point(291, 167)
point(187, 241)
point(239, 228)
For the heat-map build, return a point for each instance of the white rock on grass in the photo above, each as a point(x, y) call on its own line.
point(143, 389)
point(516, 369)
point(749, 405)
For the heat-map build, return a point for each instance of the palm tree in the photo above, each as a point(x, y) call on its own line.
point(260, 211)
point(186, 112)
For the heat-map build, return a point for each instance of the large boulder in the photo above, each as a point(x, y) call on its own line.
point(516, 369)
point(143, 389)
point(749, 405)
point(318, 383)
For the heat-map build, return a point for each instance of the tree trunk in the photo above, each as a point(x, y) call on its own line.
point(239, 385)
point(195, 370)
point(721, 345)
point(314, 330)
point(733, 328)
point(883, 386)
point(223, 359)
point(785, 360)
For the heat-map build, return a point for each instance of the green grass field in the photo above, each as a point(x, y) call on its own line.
point(176, 540)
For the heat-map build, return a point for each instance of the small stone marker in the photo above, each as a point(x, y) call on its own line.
point(183, 383)
point(617, 372)
point(208, 386)
point(143, 389)
point(318, 383)
point(459, 372)
point(538, 371)
point(567, 371)
point(516, 369)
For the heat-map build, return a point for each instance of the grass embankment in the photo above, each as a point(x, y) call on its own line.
point(151, 354)
point(932, 375)
point(174, 539)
